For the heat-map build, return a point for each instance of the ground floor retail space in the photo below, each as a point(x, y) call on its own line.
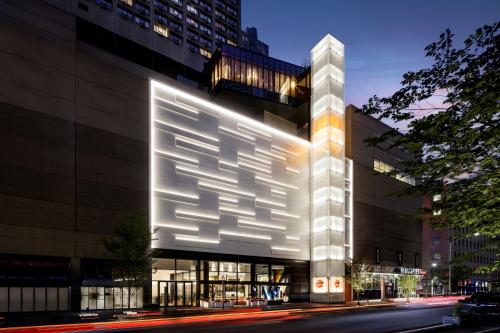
point(188, 280)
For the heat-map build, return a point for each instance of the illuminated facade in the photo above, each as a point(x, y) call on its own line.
point(224, 183)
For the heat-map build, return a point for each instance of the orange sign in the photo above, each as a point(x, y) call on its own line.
point(336, 284)
point(320, 285)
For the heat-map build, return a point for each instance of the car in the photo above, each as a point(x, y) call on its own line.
point(481, 305)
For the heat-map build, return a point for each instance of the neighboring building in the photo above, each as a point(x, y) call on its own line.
point(445, 259)
point(232, 192)
point(250, 41)
point(186, 31)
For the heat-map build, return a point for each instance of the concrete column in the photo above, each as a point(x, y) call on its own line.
point(76, 283)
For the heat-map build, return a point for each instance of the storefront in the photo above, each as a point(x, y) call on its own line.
point(186, 282)
point(382, 282)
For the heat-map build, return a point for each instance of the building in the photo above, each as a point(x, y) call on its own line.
point(91, 133)
point(186, 31)
point(250, 41)
point(445, 259)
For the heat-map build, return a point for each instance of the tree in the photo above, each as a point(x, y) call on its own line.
point(358, 274)
point(129, 245)
point(456, 143)
point(408, 283)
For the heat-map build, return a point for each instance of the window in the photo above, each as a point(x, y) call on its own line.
point(436, 241)
point(175, 13)
point(230, 42)
point(191, 9)
point(377, 255)
point(142, 22)
point(400, 258)
point(436, 256)
point(213, 270)
point(205, 18)
point(160, 18)
point(106, 4)
point(160, 5)
point(128, 2)
point(141, 8)
point(262, 273)
point(126, 14)
point(192, 22)
point(228, 269)
point(177, 40)
point(244, 272)
point(177, 2)
point(436, 197)
point(174, 26)
point(436, 212)
point(383, 167)
point(220, 38)
point(192, 47)
point(205, 29)
point(205, 53)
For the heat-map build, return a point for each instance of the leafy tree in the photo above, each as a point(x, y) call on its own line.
point(129, 245)
point(358, 275)
point(408, 284)
point(456, 140)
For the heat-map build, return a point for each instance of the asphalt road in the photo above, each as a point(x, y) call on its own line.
point(371, 320)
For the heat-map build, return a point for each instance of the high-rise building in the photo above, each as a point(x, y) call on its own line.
point(250, 41)
point(187, 31)
point(251, 180)
point(450, 257)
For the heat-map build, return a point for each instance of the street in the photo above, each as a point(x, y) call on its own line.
point(370, 320)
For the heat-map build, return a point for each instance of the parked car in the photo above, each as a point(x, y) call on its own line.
point(482, 305)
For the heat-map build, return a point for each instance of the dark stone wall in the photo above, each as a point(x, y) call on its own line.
point(73, 136)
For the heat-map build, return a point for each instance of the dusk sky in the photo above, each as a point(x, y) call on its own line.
point(383, 38)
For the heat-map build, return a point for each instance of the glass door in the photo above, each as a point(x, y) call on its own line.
point(171, 294)
point(180, 293)
point(188, 293)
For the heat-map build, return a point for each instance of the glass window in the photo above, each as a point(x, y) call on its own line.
point(186, 270)
point(164, 269)
point(279, 274)
point(262, 273)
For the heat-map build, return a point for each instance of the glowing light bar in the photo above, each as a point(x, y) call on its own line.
point(172, 103)
point(283, 151)
point(188, 130)
point(253, 131)
point(261, 224)
point(292, 238)
point(223, 188)
point(245, 235)
point(281, 248)
point(292, 170)
point(205, 174)
point(285, 214)
point(276, 192)
point(269, 154)
point(180, 194)
point(239, 135)
point(196, 143)
point(181, 157)
point(196, 215)
point(196, 239)
point(273, 182)
point(255, 158)
point(255, 167)
point(236, 211)
point(177, 226)
point(270, 202)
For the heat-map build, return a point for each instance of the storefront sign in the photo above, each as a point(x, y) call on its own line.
point(411, 271)
point(320, 285)
point(336, 284)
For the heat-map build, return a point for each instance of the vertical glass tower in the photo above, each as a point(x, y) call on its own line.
point(328, 221)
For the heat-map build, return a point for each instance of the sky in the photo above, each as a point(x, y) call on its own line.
point(383, 38)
